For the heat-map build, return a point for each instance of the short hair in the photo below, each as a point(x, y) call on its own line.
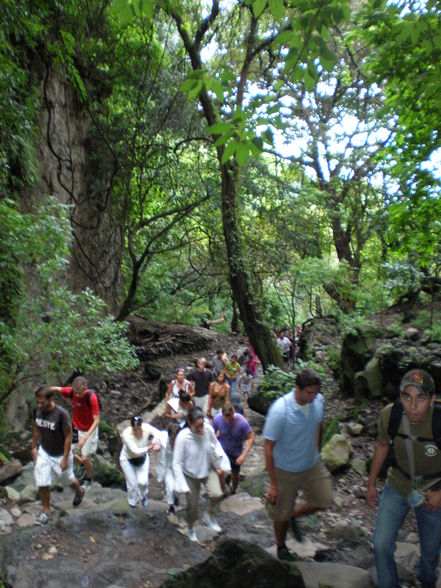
point(219, 350)
point(44, 391)
point(308, 377)
point(227, 409)
point(79, 382)
point(195, 414)
point(202, 361)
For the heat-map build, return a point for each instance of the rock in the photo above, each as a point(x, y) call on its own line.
point(333, 575)
point(354, 429)
point(5, 518)
point(238, 564)
point(10, 470)
point(26, 520)
point(26, 477)
point(357, 349)
point(241, 503)
point(15, 512)
point(346, 532)
point(12, 493)
point(411, 334)
point(369, 382)
point(336, 453)
point(359, 465)
point(29, 493)
point(107, 474)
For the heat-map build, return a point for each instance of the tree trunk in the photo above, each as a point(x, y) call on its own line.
point(258, 333)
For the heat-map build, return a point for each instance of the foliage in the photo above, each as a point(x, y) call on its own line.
point(331, 427)
point(48, 331)
point(277, 382)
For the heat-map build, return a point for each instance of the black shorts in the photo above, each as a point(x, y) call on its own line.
point(234, 466)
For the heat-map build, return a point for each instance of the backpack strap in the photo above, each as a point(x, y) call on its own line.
point(436, 423)
point(395, 418)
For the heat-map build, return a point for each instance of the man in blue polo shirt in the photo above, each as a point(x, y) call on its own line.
point(292, 435)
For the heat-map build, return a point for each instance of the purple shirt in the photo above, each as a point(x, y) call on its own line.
point(232, 435)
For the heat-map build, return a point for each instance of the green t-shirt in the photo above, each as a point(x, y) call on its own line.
point(427, 455)
point(232, 369)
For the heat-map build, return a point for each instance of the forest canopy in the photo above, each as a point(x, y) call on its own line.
point(257, 160)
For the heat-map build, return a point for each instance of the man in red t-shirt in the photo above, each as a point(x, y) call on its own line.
point(85, 422)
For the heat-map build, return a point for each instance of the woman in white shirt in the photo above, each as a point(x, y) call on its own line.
point(178, 385)
point(137, 439)
point(197, 461)
point(178, 409)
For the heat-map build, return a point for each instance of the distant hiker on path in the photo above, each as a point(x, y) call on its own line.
point(85, 422)
point(202, 379)
point(413, 426)
point(51, 451)
point(178, 384)
point(292, 434)
point(219, 394)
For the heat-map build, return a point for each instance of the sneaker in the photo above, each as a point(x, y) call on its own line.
point(43, 518)
point(296, 530)
point(86, 485)
point(171, 509)
point(284, 554)
point(191, 534)
point(211, 523)
point(144, 502)
point(78, 498)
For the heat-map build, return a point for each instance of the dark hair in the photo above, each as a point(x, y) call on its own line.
point(173, 429)
point(308, 377)
point(79, 382)
point(195, 414)
point(44, 391)
point(219, 350)
point(227, 408)
point(136, 419)
point(184, 396)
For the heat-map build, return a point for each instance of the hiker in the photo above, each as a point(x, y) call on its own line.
point(202, 378)
point(292, 434)
point(52, 451)
point(177, 409)
point(85, 423)
point(178, 384)
point(232, 372)
point(412, 425)
point(219, 394)
point(164, 467)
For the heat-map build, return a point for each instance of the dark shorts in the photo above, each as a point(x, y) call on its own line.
point(234, 466)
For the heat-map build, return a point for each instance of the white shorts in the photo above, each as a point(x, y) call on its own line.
point(48, 470)
point(91, 445)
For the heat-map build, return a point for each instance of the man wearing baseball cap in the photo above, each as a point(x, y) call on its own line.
point(413, 481)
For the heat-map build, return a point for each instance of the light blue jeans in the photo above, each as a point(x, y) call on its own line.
point(233, 385)
point(392, 510)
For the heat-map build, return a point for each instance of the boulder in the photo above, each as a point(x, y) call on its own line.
point(238, 564)
point(10, 470)
point(369, 381)
point(334, 575)
point(357, 349)
point(107, 474)
point(336, 453)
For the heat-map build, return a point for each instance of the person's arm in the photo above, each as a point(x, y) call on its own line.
point(190, 389)
point(178, 465)
point(432, 500)
point(35, 442)
point(380, 454)
point(171, 415)
point(131, 444)
point(249, 440)
point(94, 425)
point(210, 399)
point(55, 388)
point(227, 393)
point(169, 389)
point(273, 490)
point(67, 430)
point(319, 436)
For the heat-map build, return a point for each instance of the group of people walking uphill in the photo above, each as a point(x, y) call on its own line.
point(208, 438)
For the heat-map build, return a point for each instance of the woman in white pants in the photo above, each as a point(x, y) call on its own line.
point(137, 439)
point(164, 469)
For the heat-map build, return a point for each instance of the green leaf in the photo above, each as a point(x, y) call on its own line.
point(219, 128)
point(123, 11)
point(258, 7)
point(277, 8)
point(194, 93)
point(242, 153)
point(229, 152)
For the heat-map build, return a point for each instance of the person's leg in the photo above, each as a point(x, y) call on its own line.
point(142, 479)
point(130, 474)
point(169, 480)
point(45, 497)
point(281, 511)
point(88, 449)
point(429, 527)
point(317, 491)
point(192, 500)
point(214, 491)
point(391, 512)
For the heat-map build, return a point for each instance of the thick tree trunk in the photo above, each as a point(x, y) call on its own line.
point(258, 333)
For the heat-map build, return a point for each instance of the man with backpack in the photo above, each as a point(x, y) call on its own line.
point(85, 423)
point(412, 425)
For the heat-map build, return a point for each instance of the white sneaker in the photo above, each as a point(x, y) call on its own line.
point(192, 535)
point(211, 523)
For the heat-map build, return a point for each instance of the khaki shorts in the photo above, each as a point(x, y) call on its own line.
point(91, 445)
point(316, 484)
point(48, 469)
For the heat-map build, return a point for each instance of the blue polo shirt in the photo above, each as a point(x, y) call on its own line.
point(295, 434)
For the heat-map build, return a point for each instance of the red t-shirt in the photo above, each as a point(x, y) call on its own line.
point(82, 418)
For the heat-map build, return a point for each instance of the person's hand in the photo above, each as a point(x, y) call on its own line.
point(156, 446)
point(371, 495)
point(81, 443)
point(272, 493)
point(209, 415)
point(240, 460)
point(432, 500)
point(64, 464)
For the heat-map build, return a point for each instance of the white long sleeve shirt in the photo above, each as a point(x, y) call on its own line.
point(193, 455)
point(134, 447)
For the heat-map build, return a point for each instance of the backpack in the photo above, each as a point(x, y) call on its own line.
point(395, 420)
point(87, 397)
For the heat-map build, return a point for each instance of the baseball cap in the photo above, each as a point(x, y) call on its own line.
point(420, 379)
